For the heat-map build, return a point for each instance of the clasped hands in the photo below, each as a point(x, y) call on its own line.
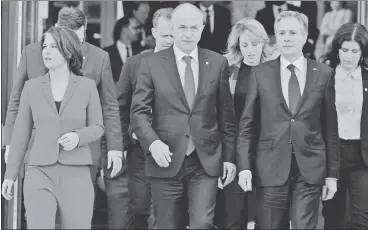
point(162, 156)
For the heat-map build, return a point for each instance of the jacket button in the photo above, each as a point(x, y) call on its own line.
point(292, 120)
point(290, 142)
point(187, 136)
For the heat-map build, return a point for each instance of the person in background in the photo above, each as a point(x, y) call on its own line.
point(95, 65)
point(140, 10)
point(291, 102)
point(247, 46)
point(217, 26)
point(349, 57)
point(126, 31)
point(183, 116)
point(331, 22)
point(139, 187)
point(65, 109)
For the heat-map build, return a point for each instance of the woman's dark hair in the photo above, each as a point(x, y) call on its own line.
point(348, 32)
point(69, 46)
point(119, 26)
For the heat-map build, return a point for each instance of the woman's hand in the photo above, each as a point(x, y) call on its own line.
point(7, 188)
point(69, 141)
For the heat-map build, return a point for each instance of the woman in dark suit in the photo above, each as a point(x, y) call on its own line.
point(348, 55)
point(65, 110)
point(248, 45)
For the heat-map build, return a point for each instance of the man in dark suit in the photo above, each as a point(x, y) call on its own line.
point(96, 65)
point(217, 26)
point(126, 31)
point(297, 155)
point(139, 188)
point(183, 116)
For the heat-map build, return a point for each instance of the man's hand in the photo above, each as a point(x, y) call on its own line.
point(161, 153)
point(228, 173)
point(245, 180)
point(69, 141)
point(329, 189)
point(6, 155)
point(6, 189)
point(114, 158)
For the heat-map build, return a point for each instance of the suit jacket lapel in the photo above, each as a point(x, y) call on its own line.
point(70, 89)
point(275, 73)
point(173, 74)
point(311, 78)
point(85, 54)
point(365, 92)
point(46, 87)
point(203, 79)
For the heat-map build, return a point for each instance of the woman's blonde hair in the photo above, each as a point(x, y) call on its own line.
point(256, 32)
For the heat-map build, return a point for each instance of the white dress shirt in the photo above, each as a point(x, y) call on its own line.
point(211, 12)
point(122, 48)
point(181, 64)
point(300, 72)
point(349, 102)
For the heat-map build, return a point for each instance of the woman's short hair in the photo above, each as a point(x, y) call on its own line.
point(348, 32)
point(69, 46)
point(256, 32)
point(72, 18)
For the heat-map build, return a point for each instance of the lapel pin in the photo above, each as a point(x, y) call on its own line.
point(365, 89)
point(84, 58)
point(206, 62)
point(314, 68)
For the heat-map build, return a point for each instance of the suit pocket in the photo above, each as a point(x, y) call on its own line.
point(316, 144)
point(264, 144)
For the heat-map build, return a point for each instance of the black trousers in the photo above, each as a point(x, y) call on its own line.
point(117, 201)
point(296, 197)
point(231, 207)
point(139, 190)
point(192, 190)
point(353, 180)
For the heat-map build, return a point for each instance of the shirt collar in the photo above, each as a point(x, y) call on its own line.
point(356, 74)
point(180, 54)
point(203, 8)
point(120, 44)
point(155, 50)
point(299, 63)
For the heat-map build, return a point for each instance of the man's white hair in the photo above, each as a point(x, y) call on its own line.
point(187, 6)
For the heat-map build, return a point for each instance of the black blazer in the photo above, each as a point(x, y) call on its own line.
point(115, 59)
point(364, 118)
point(222, 26)
point(312, 131)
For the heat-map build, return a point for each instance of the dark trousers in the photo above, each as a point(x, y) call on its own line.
point(353, 180)
point(117, 201)
point(296, 197)
point(193, 184)
point(231, 207)
point(139, 189)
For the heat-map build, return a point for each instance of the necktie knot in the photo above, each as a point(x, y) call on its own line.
point(291, 67)
point(187, 59)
